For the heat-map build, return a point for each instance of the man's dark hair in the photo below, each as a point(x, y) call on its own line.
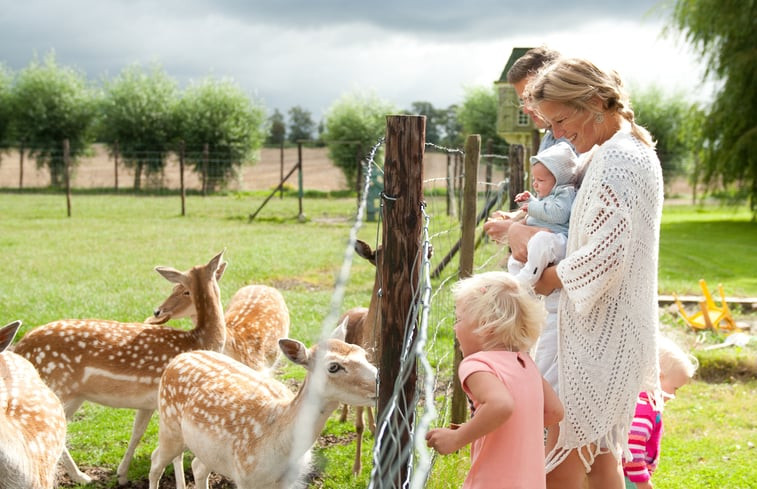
point(530, 63)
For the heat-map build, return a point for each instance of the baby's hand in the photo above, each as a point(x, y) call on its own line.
point(523, 196)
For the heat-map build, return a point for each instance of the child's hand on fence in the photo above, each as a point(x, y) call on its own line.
point(443, 440)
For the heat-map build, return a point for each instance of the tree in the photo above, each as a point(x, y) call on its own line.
point(478, 115)
point(354, 125)
point(137, 115)
point(433, 120)
point(217, 113)
point(301, 124)
point(278, 128)
point(51, 103)
point(6, 114)
point(724, 32)
point(664, 116)
point(451, 127)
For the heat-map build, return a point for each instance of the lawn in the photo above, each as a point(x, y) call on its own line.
point(99, 262)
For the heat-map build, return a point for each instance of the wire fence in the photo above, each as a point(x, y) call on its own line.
point(429, 346)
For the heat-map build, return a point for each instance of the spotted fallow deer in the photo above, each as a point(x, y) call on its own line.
point(120, 364)
point(247, 425)
point(32, 422)
point(360, 329)
point(256, 318)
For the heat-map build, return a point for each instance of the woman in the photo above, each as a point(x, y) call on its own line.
point(607, 317)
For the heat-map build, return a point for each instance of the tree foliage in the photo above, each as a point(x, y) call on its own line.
point(478, 115)
point(725, 33)
point(354, 124)
point(50, 104)
point(665, 117)
point(276, 128)
point(137, 115)
point(301, 124)
point(217, 113)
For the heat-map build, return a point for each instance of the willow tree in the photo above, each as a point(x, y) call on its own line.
point(725, 33)
point(222, 128)
point(50, 104)
point(354, 124)
point(137, 118)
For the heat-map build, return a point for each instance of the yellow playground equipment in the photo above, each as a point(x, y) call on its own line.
point(710, 315)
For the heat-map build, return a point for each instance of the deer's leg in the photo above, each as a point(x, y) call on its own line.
point(359, 428)
point(168, 450)
point(371, 421)
point(178, 470)
point(201, 473)
point(70, 407)
point(141, 420)
point(343, 416)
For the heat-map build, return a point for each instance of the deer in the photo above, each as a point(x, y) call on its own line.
point(32, 422)
point(119, 364)
point(359, 326)
point(256, 318)
point(248, 426)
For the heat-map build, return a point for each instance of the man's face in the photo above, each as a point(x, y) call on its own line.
point(519, 87)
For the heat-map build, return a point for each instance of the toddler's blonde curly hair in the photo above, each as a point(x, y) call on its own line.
point(508, 314)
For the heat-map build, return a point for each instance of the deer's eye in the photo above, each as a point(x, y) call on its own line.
point(334, 368)
point(186, 293)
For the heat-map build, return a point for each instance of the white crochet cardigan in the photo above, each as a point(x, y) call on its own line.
point(608, 317)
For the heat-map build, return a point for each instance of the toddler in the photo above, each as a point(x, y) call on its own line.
point(497, 321)
point(676, 369)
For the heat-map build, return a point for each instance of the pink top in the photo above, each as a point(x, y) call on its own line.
point(512, 456)
point(644, 441)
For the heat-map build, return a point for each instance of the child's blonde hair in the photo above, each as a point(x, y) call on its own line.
point(507, 313)
point(672, 358)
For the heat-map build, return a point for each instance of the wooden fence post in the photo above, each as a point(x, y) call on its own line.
point(115, 166)
point(183, 190)
point(205, 157)
point(21, 166)
point(400, 274)
point(459, 407)
point(66, 154)
point(516, 173)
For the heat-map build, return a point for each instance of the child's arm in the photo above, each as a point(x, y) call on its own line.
point(553, 408)
point(636, 469)
point(495, 407)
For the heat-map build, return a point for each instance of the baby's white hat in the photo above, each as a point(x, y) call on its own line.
point(561, 162)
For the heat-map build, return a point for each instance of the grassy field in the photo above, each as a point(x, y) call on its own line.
point(99, 264)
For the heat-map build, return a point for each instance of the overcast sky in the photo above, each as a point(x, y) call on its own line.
point(309, 53)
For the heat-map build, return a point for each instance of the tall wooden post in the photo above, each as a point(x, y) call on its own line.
point(300, 190)
point(115, 166)
point(182, 150)
point(281, 169)
point(66, 175)
point(459, 407)
point(21, 166)
point(205, 158)
point(516, 173)
point(400, 272)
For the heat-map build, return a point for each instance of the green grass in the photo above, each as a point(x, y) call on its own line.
point(99, 262)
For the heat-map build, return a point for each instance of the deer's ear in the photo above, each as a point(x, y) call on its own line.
point(7, 333)
point(220, 270)
point(172, 275)
point(340, 332)
point(294, 351)
point(364, 250)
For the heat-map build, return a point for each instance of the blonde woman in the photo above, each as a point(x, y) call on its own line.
point(607, 317)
